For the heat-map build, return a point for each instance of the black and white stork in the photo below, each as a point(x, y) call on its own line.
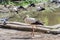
point(17, 8)
point(32, 5)
point(21, 7)
point(14, 8)
point(39, 8)
point(55, 1)
point(33, 22)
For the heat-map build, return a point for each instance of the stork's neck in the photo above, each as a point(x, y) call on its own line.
point(26, 17)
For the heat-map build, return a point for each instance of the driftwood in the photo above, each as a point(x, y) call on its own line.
point(27, 27)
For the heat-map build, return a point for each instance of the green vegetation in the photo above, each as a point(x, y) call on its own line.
point(24, 2)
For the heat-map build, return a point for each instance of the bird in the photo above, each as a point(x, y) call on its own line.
point(32, 22)
point(39, 8)
point(21, 7)
point(32, 5)
point(55, 1)
point(16, 8)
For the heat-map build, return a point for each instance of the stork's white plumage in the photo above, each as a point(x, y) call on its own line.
point(32, 5)
point(29, 20)
point(38, 8)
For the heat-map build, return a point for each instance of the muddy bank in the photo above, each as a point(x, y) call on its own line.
point(8, 34)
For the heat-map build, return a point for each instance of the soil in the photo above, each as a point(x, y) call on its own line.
point(10, 34)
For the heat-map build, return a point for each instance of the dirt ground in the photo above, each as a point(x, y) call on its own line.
point(9, 34)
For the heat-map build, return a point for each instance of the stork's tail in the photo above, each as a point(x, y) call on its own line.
point(38, 23)
point(16, 12)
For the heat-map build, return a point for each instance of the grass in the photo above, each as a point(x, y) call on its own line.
point(25, 2)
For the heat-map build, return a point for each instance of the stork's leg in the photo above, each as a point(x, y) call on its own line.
point(33, 29)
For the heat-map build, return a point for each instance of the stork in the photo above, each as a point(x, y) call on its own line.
point(39, 8)
point(21, 7)
point(55, 1)
point(32, 5)
point(12, 8)
point(33, 22)
point(16, 8)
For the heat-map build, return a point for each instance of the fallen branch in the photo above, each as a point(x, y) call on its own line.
point(28, 27)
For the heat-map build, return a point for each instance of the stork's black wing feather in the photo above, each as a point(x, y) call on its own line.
point(37, 23)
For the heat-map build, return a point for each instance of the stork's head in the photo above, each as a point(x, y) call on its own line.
point(27, 16)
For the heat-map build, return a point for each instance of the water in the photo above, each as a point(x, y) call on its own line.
point(49, 17)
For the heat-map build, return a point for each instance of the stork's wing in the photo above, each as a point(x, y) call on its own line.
point(31, 20)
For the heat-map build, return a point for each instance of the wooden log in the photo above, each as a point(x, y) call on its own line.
point(28, 27)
